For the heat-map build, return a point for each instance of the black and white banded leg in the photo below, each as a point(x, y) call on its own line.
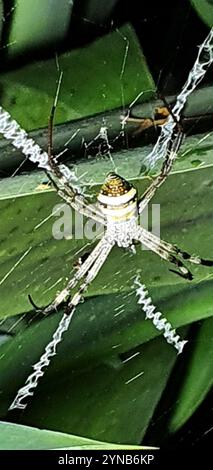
point(50, 350)
point(171, 253)
point(71, 195)
point(64, 295)
point(63, 178)
point(194, 259)
point(165, 169)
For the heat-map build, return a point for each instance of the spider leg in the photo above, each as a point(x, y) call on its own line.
point(51, 120)
point(194, 259)
point(78, 202)
point(67, 181)
point(165, 250)
point(165, 169)
point(62, 296)
point(67, 192)
point(145, 123)
point(175, 250)
point(159, 118)
point(92, 273)
point(51, 348)
point(36, 307)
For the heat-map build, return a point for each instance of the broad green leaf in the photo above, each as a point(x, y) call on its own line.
point(51, 25)
point(111, 401)
point(198, 377)
point(204, 9)
point(17, 437)
point(100, 330)
point(95, 78)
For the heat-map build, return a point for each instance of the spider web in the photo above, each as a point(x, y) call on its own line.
point(105, 150)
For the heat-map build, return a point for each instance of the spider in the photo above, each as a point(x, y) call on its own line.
point(117, 208)
point(161, 114)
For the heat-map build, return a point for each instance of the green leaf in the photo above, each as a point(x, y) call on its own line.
point(112, 400)
point(204, 9)
point(16, 437)
point(198, 377)
point(51, 25)
point(108, 83)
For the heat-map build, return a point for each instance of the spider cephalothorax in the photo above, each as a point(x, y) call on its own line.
point(115, 185)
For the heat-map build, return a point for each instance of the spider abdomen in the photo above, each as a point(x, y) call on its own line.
point(118, 199)
point(118, 203)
